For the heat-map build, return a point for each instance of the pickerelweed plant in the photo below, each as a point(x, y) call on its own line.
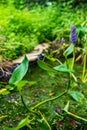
point(34, 114)
point(69, 53)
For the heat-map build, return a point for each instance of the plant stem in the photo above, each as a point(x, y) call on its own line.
point(45, 120)
point(73, 57)
point(72, 66)
point(69, 80)
point(22, 100)
point(75, 116)
point(50, 99)
point(84, 67)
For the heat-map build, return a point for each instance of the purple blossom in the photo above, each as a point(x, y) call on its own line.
point(62, 40)
point(73, 34)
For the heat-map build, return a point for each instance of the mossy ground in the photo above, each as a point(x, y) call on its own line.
point(47, 86)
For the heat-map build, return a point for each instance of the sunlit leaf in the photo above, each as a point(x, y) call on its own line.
point(69, 50)
point(3, 90)
point(1, 117)
point(78, 96)
point(62, 68)
point(19, 72)
point(23, 83)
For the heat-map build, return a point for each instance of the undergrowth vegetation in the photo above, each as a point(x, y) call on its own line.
point(53, 94)
point(22, 29)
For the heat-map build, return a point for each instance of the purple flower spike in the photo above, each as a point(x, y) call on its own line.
point(73, 34)
point(62, 40)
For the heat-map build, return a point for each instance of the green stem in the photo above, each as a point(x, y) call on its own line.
point(59, 61)
point(22, 100)
point(69, 81)
point(84, 67)
point(50, 99)
point(73, 57)
point(45, 120)
point(75, 116)
point(30, 121)
point(71, 67)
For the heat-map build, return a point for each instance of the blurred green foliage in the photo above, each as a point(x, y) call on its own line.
point(24, 27)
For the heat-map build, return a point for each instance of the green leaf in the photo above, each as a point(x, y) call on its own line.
point(19, 72)
point(82, 28)
point(70, 62)
point(44, 66)
point(69, 50)
point(21, 124)
point(78, 96)
point(52, 59)
point(3, 90)
point(1, 117)
point(62, 68)
point(66, 107)
point(22, 83)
